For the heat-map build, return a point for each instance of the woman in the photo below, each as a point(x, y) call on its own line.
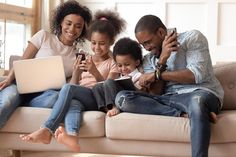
point(68, 27)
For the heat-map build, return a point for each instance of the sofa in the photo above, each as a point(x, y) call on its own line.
point(132, 134)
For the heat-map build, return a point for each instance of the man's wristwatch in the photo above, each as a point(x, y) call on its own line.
point(159, 69)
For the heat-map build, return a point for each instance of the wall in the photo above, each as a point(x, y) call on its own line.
point(215, 18)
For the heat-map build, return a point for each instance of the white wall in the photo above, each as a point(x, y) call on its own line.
point(215, 18)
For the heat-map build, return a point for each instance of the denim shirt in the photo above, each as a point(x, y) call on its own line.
point(194, 55)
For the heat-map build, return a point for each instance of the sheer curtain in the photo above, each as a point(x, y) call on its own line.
point(47, 7)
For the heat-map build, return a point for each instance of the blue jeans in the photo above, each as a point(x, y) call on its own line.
point(71, 102)
point(44, 99)
point(197, 104)
point(10, 99)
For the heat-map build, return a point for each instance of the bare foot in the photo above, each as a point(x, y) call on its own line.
point(213, 117)
point(68, 140)
point(39, 136)
point(184, 115)
point(114, 111)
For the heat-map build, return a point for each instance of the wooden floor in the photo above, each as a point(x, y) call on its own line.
point(9, 153)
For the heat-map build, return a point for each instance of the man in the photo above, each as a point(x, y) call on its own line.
point(183, 62)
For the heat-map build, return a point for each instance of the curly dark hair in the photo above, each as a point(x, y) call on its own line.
point(64, 9)
point(108, 22)
point(127, 46)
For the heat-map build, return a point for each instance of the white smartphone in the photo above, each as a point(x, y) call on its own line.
point(171, 31)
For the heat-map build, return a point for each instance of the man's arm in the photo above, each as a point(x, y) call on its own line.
point(181, 76)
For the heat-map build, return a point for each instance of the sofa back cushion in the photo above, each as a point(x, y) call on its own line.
point(226, 74)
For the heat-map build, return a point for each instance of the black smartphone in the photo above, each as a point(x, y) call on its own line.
point(82, 56)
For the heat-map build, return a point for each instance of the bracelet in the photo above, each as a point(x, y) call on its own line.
point(159, 69)
point(157, 74)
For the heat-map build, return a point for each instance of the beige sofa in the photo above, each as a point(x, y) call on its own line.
point(133, 134)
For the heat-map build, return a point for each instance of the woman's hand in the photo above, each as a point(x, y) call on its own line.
point(5, 83)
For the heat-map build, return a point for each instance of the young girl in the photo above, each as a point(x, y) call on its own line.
point(73, 97)
point(128, 56)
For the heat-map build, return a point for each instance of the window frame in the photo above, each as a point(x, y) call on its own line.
point(23, 14)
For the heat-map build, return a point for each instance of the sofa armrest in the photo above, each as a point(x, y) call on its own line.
point(2, 78)
point(226, 75)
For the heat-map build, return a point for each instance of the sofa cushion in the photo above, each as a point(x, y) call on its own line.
point(226, 75)
point(29, 119)
point(164, 128)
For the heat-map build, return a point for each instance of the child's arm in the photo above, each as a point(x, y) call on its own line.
point(92, 69)
point(76, 75)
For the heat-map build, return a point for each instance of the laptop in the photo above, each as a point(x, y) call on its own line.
point(39, 74)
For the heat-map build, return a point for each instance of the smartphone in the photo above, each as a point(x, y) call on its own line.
point(171, 31)
point(82, 56)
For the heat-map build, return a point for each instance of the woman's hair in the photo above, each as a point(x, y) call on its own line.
point(107, 22)
point(67, 8)
point(127, 46)
point(150, 23)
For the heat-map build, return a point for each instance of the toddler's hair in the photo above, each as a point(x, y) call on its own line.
point(127, 46)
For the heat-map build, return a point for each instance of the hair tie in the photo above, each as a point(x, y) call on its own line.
point(103, 19)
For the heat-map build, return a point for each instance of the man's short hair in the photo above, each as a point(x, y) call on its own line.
point(150, 23)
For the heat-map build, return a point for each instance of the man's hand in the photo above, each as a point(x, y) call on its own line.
point(169, 45)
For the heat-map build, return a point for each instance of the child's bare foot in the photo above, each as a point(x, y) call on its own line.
point(213, 117)
point(114, 111)
point(68, 140)
point(39, 136)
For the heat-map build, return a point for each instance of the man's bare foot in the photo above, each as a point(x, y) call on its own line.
point(39, 136)
point(184, 115)
point(69, 141)
point(114, 111)
point(213, 117)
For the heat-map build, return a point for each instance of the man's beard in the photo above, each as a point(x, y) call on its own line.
point(157, 51)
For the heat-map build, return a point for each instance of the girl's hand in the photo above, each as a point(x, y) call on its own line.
point(77, 71)
point(90, 66)
point(77, 66)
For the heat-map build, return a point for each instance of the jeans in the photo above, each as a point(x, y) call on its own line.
point(44, 99)
point(105, 93)
point(197, 104)
point(10, 99)
point(71, 102)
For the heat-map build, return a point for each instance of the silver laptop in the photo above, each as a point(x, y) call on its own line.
point(39, 74)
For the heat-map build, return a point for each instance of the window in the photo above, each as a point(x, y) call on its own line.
point(19, 19)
